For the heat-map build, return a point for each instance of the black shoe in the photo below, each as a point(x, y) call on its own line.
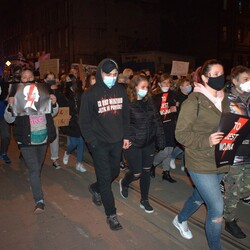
point(113, 222)
point(152, 171)
point(39, 208)
point(146, 206)
point(234, 229)
point(96, 197)
point(166, 176)
point(123, 190)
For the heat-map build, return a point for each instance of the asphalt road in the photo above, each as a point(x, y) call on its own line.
point(72, 221)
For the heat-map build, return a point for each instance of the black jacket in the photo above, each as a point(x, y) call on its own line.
point(168, 119)
point(21, 129)
point(145, 124)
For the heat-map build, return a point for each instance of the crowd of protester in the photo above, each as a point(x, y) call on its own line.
point(135, 121)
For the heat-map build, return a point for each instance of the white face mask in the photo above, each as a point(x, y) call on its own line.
point(164, 89)
point(245, 86)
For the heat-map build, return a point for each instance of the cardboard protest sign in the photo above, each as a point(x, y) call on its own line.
point(235, 128)
point(179, 68)
point(51, 65)
point(31, 99)
point(62, 118)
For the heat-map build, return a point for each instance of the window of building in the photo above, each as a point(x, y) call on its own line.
point(59, 39)
point(66, 38)
point(224, 33)
point(225, 4)
point(240, 6)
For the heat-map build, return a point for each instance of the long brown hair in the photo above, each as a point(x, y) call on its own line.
point(131, 90)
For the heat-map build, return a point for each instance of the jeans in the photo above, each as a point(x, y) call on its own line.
point(34, 157)
point(4, 135)
point(54, 147)
point(164, 157)
point(177, 151)
point(139, 162)
point(106, 158)
point(207, 190)
point(78, 143)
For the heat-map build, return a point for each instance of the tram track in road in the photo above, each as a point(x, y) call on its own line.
point(194, 220)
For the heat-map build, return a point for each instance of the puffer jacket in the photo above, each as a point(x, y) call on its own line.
point(198, 119)
point(145, 124)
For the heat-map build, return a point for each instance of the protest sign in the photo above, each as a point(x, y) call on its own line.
point(179, 68)
point(30, 99)
point(235, 128)
point(62, 118)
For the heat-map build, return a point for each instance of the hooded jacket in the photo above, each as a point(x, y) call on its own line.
point(198, 119)
point(104, 113)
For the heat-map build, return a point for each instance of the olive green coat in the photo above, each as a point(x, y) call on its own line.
point(198, 119)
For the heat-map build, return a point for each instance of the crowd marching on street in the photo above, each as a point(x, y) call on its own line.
point(135, 121)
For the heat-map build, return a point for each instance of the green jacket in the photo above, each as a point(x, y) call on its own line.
point(198, 119)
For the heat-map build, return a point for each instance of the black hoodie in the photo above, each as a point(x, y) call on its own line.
point(104, 113)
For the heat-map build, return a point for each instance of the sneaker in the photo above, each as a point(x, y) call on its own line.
point(113, 222)
point(246, 200)
point(183, 228)
point(172, 164)
point(146, 206)
point(80, 167)
point(39, 208)
point(123, 190)
point(183, 168)
point(5, 158)
point(96, 197)
point(222, 187)
point(123, 166)
point(56, 165)
point(234, 229)
point(65, 158)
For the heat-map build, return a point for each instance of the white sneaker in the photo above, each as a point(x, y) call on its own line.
point(183, 228)
point(172, 164)
point(80, 167)
point(65, 158)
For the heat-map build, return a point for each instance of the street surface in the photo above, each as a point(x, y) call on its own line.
point(72, 222)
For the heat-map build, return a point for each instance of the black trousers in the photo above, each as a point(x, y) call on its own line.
point(106, 158)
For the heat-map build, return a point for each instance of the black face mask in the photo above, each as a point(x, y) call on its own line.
point(69, 84)
point(216, 83)
point(51, 82)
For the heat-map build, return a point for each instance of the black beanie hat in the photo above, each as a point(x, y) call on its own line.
point(108, 66)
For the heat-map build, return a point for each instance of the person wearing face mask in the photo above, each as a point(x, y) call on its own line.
point(146, 134)
point(165, 101)
point(104, 122)
point(50, 80)
point(237, 180)
point(33, 130)
point(73, 94)
point(197, 130)
point(183, 89)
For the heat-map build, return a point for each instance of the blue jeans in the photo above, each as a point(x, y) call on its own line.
point(34, 157)
point(207, 190)
point(78, 143)
point(177, 151)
